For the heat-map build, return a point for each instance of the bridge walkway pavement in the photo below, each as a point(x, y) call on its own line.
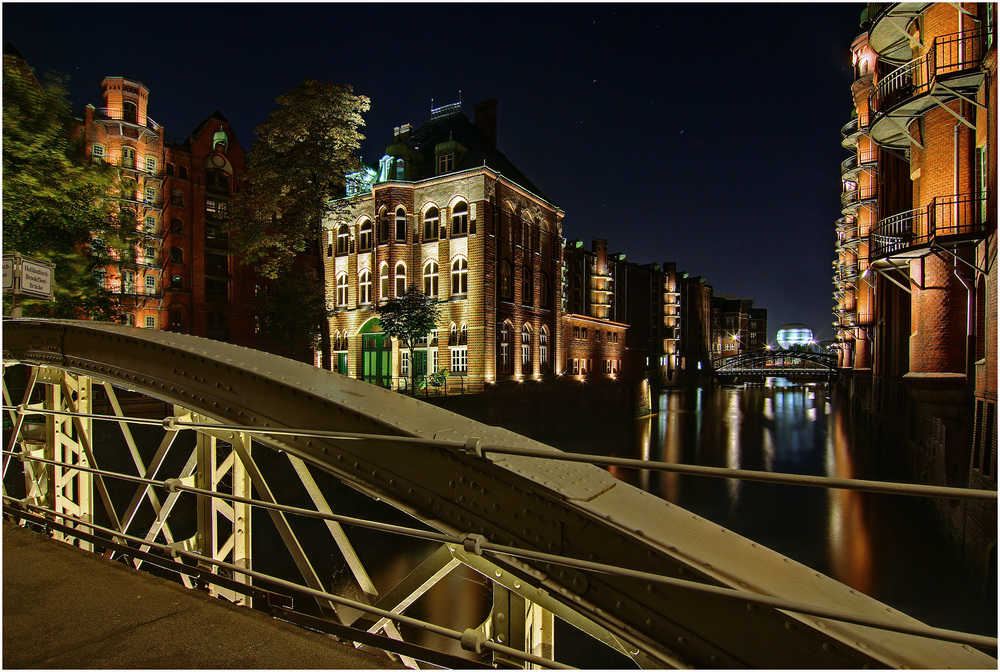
point(64, 607)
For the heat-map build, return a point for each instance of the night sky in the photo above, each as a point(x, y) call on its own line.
point(706, 134)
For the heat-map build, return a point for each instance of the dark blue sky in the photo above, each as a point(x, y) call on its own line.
point(707, 134)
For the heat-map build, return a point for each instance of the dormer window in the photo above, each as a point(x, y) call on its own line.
point(446, 163)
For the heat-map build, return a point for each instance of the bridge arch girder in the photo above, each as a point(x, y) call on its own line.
point(576, 510)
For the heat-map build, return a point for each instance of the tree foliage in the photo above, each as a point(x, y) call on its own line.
point(408, 318)
point(292, 309)
point(295, 171)
point(54, 201)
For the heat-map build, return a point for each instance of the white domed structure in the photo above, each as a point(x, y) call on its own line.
point(796, 336)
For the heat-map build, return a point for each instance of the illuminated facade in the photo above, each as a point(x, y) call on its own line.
point(916, 270)
point(180, 277)
point(446, 211)
point(737, 326)
point(795, 336)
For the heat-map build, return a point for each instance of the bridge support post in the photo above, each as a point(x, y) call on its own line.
point(64, 490)
point(223, 527)
point(519, 624)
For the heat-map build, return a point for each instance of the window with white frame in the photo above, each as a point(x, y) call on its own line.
point(435, 360)
point(98, 154)
point(400, 226)
point(149, 224)
point(431, 278)
point(365, 236)
point(432, 221)
point(543, 348)
point(150, 285)
point(150, 194)
point(150, 164)
point(506, 365)
point(400, 279)
point(460, 276)
point(383, 281)
point(151, 322)
point(460, 359)
point(343, 239)
point(365, 287)
point(342, 289)
point(404, 363)
point(525, 346)
point(460, 219)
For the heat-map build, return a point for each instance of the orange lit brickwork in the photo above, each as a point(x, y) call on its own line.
point(181, 276)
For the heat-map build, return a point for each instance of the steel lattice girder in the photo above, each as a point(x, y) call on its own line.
point(576, 510)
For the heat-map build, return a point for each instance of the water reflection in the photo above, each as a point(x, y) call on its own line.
point(878, 544)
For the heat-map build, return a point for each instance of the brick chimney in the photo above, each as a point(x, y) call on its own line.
point(486, 119)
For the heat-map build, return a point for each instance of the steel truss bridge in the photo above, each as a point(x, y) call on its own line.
point(555, 537)
point(782, 362)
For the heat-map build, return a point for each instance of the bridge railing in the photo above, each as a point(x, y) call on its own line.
point(185, 487)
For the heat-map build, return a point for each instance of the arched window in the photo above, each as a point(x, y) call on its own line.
point(365, 236)
point(128, 157)
point(543, 349)
point(543, 290)
point(545, 239)
point(431, 222)
point(505, 363)
point(335, 341)
point(130, 112)
point(460, 220)
point(383, 226)
point(527, 287)
point(526, 234)
point(342, 289)
point(365, 287)
point(453, 334)
point(431, 278)
point(460, 276)
point(400, 225)
point(383, 281)
point(506, 282)
point(463, 334)
point(526, 348)
point(400, 279)
point(343, 239)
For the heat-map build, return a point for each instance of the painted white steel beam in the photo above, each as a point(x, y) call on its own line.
point(575, 510)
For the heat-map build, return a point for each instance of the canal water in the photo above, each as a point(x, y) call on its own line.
point(882, 545)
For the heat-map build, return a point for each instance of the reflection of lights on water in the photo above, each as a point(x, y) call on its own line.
point(733, 447)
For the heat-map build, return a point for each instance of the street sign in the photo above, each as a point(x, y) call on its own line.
point(36, 278)
point(8, 273)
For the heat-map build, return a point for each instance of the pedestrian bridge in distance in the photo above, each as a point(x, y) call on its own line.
point(777, 362)
point(253, 440)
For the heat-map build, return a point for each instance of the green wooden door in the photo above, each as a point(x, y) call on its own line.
point(376, 358)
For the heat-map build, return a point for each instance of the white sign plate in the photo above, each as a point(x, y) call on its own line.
point(8, 272)
point(36, 279)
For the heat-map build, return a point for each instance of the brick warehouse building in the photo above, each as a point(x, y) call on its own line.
point(445, 210)
point(916, 268)
point(181, 276)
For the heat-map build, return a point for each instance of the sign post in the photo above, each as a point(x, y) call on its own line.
point(26, 276)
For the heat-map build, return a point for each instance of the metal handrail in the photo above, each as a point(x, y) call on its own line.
point(116, 114)
point(858, 194)
point(948, 54)
point(477, 544)
point(943, 216)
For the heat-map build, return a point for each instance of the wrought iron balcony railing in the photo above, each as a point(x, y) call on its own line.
point(949, 55)
point(851, 198)
point(113, 114)
point(960, 216)
point(855, 162)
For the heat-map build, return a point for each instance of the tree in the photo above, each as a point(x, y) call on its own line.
point(295, 172)
point(55, 203)
point(292, 309)
point(408, 318)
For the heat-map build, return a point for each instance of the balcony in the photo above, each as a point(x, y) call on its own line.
point(853, 130)
point(952, 66)
point(887, 28)
point(108, 114)
point(948, 221)
point(848, 237)
point(132, 289)
point(855, 197)
point(855, 163)
point(848, 273)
